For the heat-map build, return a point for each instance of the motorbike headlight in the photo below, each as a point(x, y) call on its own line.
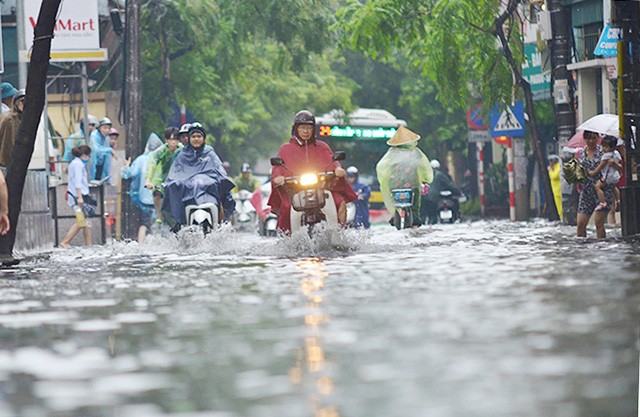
point(308, 179)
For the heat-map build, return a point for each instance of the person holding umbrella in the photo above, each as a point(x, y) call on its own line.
point(590, 158)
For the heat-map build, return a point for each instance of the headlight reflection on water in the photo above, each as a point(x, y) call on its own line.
point(311, 358)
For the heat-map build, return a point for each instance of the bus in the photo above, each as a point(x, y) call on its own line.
point(363, 135)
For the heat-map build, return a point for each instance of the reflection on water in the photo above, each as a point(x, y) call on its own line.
point(312, 358)
point(486, 319)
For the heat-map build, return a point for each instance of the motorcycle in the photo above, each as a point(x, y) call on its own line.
point(403, 202)
point(269, 227)
point(449, 207)
point(204, 216)
point(311, 201)
point(245, 215)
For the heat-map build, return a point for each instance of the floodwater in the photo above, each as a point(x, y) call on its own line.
point(488, 318)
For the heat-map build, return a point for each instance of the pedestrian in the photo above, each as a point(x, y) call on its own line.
point(7, 91)
point(404, 166)
point(5, 225)
point(77, 138)
point(590, 158)
point(101, 150)
point(78, 195)
point(608, 171)
point(555, 172)
point(159, 164)
point(9, 124)
point(140, 195)
point(363, 191)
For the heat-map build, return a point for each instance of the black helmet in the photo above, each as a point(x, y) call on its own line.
point(197, 127)
point(304, 117)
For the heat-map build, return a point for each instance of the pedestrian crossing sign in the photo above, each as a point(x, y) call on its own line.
point(508, 122)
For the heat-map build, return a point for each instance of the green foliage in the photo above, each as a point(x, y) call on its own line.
point(242, 68)
point(497, 184)
point(471, 207)
point(450, 41)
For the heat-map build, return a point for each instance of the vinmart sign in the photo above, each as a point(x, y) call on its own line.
point(76, 35)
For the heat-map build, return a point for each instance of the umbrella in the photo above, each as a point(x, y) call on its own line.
point(606, 124)
point(577, 140)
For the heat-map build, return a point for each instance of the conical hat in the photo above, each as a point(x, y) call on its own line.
point(402, 137)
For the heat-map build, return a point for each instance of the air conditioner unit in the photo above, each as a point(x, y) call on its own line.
point(544, 25)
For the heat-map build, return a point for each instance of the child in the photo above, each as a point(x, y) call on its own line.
point(77, 189)
point(609, 169)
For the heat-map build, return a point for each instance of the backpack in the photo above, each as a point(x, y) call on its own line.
point(573, 172)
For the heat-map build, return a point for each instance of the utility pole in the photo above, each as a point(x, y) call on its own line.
point(627, 18)
point(33, 106)
point(133, 96)
point(563, 88)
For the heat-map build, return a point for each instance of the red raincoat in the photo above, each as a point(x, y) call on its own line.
point(308, 157)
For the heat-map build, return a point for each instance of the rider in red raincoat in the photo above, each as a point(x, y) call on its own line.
point(305, 154)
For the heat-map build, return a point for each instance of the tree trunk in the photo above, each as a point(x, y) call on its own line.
point(33, 106)
point(133, 103)
point(550, 212)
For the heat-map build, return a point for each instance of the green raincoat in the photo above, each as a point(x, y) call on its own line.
point(403, 167)
point(160, 162)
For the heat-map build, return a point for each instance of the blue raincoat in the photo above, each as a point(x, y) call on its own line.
point(100, 155)
point(196, 177)
point(76, 139)
point(141, 195)
point(362, 204)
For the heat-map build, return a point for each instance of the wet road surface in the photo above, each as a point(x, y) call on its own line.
point(479, 319)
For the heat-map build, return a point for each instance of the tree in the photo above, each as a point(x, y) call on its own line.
point(242, 68)
point(451, 43)
point(34, 104)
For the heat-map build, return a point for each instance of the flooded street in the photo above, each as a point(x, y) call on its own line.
point(478, 319)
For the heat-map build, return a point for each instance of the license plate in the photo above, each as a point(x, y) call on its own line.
point(446, 214)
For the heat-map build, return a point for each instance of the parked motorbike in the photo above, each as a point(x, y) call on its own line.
point(403, 202)
point(311, 201)
point(245, 216)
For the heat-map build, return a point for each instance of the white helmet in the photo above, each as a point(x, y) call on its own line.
point(352, 170)
point(435, 164)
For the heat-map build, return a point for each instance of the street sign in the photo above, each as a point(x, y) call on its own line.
point(509, 122)
point(476, 136)
point(533, 72)
point(608, 43)
point(474, 118)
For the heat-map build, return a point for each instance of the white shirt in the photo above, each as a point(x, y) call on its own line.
point(5, 108)
point(78, 178)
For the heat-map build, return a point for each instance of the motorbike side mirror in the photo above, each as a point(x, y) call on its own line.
point(339, 156)
point(276, 162)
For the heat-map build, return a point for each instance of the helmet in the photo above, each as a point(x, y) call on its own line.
point(19, 94)
point(197, 127)
point(114, 131)
point(104, 121)
point(435, 164)
point(184, 128)
point(352, 170)
point(304, 117)
point(91, 120)
point(245, 167)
